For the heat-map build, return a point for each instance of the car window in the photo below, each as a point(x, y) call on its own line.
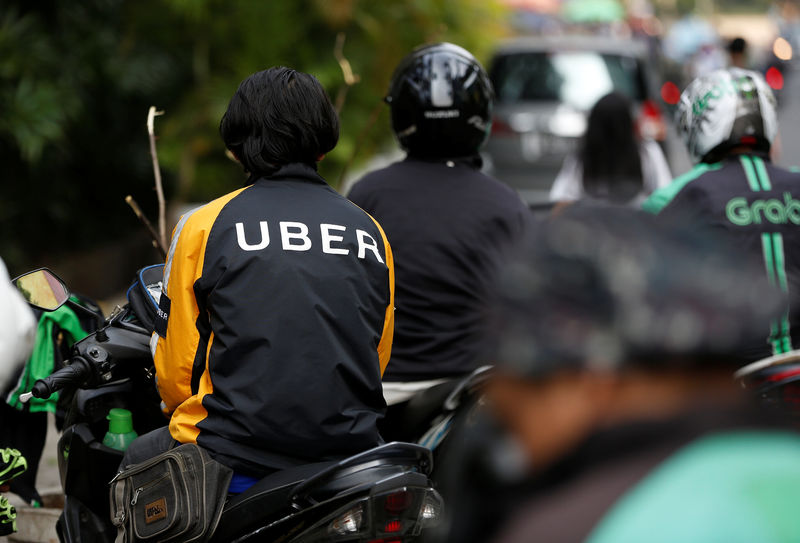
point(576, 78)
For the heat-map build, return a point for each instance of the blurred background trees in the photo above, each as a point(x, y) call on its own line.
point(77, 80)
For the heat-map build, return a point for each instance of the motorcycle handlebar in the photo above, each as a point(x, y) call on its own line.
point(74, 374)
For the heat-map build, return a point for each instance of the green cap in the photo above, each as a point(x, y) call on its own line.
point(119, 421)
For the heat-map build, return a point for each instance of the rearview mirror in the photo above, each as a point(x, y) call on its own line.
point(42, 289)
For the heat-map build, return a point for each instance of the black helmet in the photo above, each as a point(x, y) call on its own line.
point(441, 100)
point(608, 288)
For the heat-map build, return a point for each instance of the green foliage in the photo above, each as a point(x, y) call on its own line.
point(77, 79)
point(35, 104)
point(231, 40)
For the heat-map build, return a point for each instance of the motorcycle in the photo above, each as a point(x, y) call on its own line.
point(428, 415)
point(381, 495)
point(775, 382)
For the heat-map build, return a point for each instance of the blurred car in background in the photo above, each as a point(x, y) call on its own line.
point(545, 87)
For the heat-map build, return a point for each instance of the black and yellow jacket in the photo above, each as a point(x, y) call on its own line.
point(276, 324)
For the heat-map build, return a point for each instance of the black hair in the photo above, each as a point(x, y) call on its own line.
point(276, 117)
point(737, 45)
point(612, 167)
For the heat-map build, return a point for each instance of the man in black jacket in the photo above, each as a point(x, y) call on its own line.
point(446, 221)
point(729, 122)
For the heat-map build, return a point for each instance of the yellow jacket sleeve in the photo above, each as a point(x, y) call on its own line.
point(176, 354)
point(385, 345)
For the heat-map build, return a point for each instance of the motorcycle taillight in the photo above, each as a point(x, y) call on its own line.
point(349, 522)
point(432, 509)
point(406, 512)
point(398, 501)
point(393, 526)
point(390, 517)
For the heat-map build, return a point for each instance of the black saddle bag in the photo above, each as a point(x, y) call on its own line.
point(175, 496)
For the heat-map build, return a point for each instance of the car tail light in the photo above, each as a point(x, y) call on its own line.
point(670, 93)
point(651, 122)
point(774, 78)
point(501, 128)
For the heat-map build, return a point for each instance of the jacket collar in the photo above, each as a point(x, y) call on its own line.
point(296, 171)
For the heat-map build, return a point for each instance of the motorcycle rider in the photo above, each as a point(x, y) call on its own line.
point(446, 220)
point(276, 315)
point(621, 402)
point(612, 163)
point(728, 121)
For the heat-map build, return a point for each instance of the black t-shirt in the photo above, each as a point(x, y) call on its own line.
point(447, 224)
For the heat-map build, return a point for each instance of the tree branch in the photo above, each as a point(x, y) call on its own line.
point(162, 229)
point(350, 78)
point(138, 211)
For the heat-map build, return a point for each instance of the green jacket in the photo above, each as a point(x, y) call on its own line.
point(728, 488)
point(42, 360)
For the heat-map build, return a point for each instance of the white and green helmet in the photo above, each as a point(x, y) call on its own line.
point(726, 108)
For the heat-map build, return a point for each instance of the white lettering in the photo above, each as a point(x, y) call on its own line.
point(264, 243)
point(363, 245)
point(446, 114)
point(301, 234)
point(327, 238)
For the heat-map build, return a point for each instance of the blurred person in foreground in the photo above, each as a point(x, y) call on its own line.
point(17, 328)
point(615, 340)
point(17, 336)
point(729, 123)
point(613, 164)
point(277, 306)
point(445, 219)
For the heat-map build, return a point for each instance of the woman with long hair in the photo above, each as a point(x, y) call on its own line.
point(612, 164)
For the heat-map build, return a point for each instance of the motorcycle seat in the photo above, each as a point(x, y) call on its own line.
point(268, 495)
point(407, 460)
point(410, 419)
point(281, 492)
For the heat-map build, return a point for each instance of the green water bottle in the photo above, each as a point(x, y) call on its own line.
point(120, 429)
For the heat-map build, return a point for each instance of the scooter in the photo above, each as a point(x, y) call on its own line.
point(428, 417)
point(775, 382)
point(381, 495)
